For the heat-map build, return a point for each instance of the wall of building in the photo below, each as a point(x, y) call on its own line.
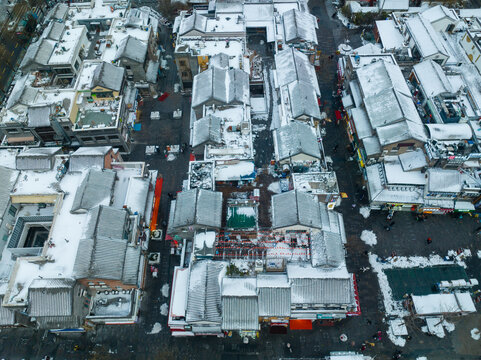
point(472, 50)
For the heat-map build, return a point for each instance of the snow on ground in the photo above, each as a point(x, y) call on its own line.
point(461, 256)
point(475, 334)
point(448, 326)
point(165, 290)
point(422, 358)
point(345, 49)
point(393, 307)
point(274, 187)
point(369, 237)
point(396, 340)
point(365, 211)
point(479, 254)
point(164, 309)
point(345, 21)
point(155, 329)
point(171, 157)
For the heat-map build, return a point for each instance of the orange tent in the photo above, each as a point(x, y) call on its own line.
point(300, 324)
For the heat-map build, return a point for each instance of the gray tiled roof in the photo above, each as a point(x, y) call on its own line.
point(104, 250)
point(87, 158)
point(37, 53)
point(194, 22)
point(96, 186)
point(54, 30)
point(224, 86)
point(296, 138)
point(36, 158)
point(207, 129)
point(50, 297)
point(321, 291)
point(7, 316)
point(292, 65)
point(204, 297)
point(274, 294)
point(240, 313)
point(198, 207)
point(295, 208)
point(303, 100)
point(39, 115)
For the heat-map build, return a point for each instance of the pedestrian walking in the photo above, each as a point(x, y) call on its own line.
point(391, 223)
point(170, 195)
point(369, 322)
point(429, 240)
point(379, 335)
point(334, 149)
point(363, 347)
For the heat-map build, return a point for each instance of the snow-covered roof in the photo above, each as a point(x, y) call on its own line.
point(427, 40)
point(198, 207)
point(292, 65)
point(413, 160)
point(361, 122)
point(131, 48)
point(195, 22)
point(39, 116)
point(88, 157)
point(381, 193)
point(387, 5)
point(296, 138)
point(204, 291)
point(95, 189)
point(137, 194)
point(37, 53)
point(432, 78)
point(299, 26)
point(401, 131)
point(108, 76)
point(234, 170)
point(434, 304)
point(439, 12)
point(296, 208)
point(391, 37)
point(450, 132)
point(274, 294)
point(204, 243)
point(178, 298)
point(303, 100)
point(389, 107)
point(36, 158)
point(379, 76)
point(372, 146)
point(444, 180)
point(395, 174)
point(21, 93)
point(54, 30)
point(207, 130)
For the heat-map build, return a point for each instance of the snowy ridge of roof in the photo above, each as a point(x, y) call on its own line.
point(427, 39)
point(96, 188)
point(391, 37)
point(295, 208)
point(225, 86)
point(204, 291)
point(196, 22)
point(450, 131)
point(296, 138)
point(131, 48)
point(326, 249)
point(108, 76)
point(198, 207)
point(292, 65)
point(432, 77)
point(303, 100)
point(379, 76)
point(299, 25)
point(207, 129)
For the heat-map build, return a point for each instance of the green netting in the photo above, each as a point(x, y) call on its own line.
point(421, 281)
point(238, 219)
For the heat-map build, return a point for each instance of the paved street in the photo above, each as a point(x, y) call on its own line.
point(406, 238)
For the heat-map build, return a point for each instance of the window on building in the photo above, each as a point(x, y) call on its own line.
point(12, 210)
